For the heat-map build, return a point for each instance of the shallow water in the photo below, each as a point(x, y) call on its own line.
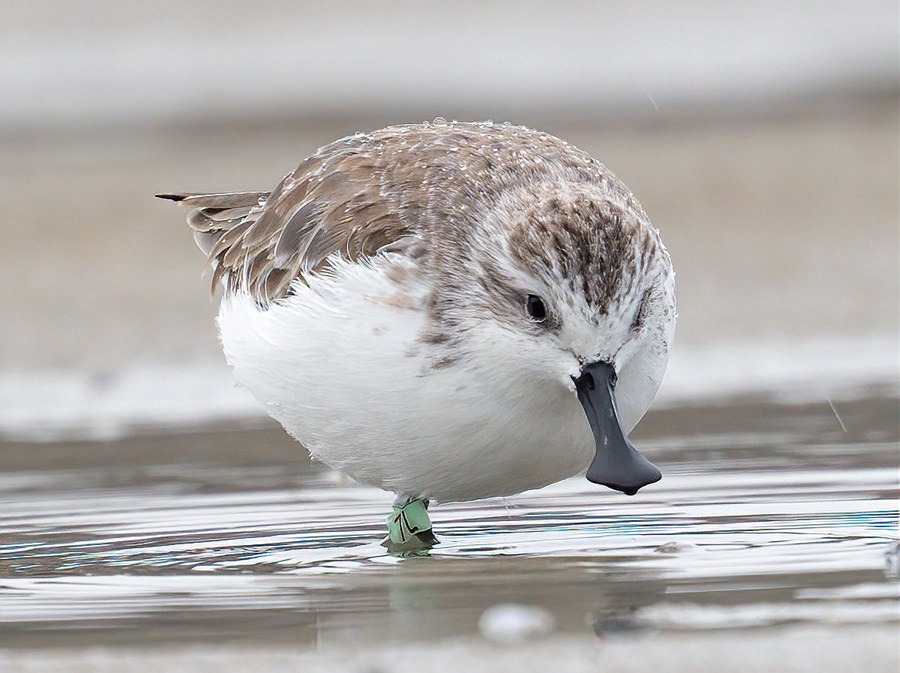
point(768, 514)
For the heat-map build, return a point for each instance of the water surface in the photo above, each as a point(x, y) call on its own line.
point(767, 514)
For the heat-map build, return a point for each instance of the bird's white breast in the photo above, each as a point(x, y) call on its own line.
point(341, 364)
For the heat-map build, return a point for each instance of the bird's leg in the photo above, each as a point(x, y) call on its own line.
point(409, 527)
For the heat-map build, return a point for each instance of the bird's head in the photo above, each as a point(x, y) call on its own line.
point(568, 285)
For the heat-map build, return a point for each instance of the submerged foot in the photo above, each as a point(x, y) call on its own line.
point(409, 527)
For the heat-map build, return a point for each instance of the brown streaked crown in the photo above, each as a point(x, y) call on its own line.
point(580, 237)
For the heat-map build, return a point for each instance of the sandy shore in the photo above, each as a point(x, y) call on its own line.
point(825, 649)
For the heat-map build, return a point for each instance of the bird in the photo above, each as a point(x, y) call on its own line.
point(448, 311)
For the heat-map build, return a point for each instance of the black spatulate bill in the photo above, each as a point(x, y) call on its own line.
point(616, 464)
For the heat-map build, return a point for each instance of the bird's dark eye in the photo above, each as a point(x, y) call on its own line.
point(535, 307)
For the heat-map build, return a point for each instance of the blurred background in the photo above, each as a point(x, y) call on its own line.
point(761, 138)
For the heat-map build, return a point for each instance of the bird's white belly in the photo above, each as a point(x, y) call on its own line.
point(340, 364)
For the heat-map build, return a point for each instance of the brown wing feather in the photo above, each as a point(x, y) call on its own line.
point(214, 215)
point(262, 241)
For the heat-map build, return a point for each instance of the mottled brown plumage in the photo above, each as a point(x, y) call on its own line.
point(408, 188)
